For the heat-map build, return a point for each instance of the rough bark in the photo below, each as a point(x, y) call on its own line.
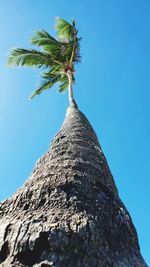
point(69, 213)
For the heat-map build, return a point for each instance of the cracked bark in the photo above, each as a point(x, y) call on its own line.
point(68, 213)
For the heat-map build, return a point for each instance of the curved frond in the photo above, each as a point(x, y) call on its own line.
point(56, 69)
point(46, 85)
point(64, 83)
point(75, 52)
point(31, 57)
point(50, 45)
point(42, 38)
point(42, 34)
point(65, 29)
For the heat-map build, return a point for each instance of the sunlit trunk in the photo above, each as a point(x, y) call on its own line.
point(68, 213)
point(70, 90)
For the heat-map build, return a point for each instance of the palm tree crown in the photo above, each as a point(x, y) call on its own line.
point(58, 56)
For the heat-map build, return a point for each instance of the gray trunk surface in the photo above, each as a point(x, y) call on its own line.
point(68, 213)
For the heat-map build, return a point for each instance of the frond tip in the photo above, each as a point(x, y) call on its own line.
point(46, 85)
point(28, 57)
point(42, 38)
point(65, 29)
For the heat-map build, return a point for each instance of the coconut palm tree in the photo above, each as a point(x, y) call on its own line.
point(68, 213)
point(58, 56)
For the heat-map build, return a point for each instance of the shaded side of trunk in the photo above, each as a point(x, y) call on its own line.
point(69, 212)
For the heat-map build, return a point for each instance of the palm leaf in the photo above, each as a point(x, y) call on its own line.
point(65, 29)
point(50, 45)
point(55, 70)
point(46, 85)
point(75, 50)
point(64, 83)
point(24, 57)
point(42, 38)
point(42, 34)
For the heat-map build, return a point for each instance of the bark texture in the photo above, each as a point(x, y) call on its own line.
point(69, 213)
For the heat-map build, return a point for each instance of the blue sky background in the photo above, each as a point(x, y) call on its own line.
point(112, 89)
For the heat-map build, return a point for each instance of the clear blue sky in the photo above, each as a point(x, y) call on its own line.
point(112, 89)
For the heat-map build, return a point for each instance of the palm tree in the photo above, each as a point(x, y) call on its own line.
point(68, 213)
point(58, 56)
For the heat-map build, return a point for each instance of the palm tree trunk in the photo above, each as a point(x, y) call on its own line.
point(69, 213)
point(72, 101)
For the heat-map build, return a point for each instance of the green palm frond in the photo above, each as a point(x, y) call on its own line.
point(42, 38)
point(56, 55)
point(64, 83)
point(75, 50)
point(46, 85)
point(65, 29)
point(71, 51)
point(31, 57)
point(50, 45)
point(56, 69)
